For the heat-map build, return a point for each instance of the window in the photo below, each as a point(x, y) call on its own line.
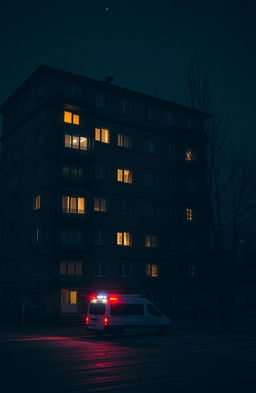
point(71, 118)
point(68, 296)
point(150, 180)
point(188, 155)
point(126, 310)
point(124, 141)
point(193, 271)
point(124, 175)
point(188, 214)
point(151, 210)
point(124, 239)
point(36, 235)
point(101, 172)
point(76, 142)
point(153, 311)
point(151, 147)
point(152, 270)
point(101, 238)
point(97, 309)
point(102, 135)
point(74, 205)
point(172, 212)
point(151, 241)
point(38, 169)
point(172, 183)
point(71, 268)
point(71, 237)
point(37, 202)
point(126, 208)
point(127, 106)
point(124, 270)
point(100, 205)
point(73, 173)
point(100, 269)
point(171, 151)
point(99, 100)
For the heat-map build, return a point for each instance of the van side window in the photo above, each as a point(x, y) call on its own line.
point(125, 310)
point(97, 309)
point(153, 311)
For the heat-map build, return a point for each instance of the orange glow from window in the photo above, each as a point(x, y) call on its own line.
point(71, 118)
point(188, 155)
point(67, 117)
point(76, 119)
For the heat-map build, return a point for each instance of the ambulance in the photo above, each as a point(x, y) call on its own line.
point(115, 314)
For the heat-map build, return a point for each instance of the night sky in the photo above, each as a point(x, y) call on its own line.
point(145, 45)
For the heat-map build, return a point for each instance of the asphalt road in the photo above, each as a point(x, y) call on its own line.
point(180, 362)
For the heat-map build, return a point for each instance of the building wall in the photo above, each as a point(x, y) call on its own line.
point(33, 158)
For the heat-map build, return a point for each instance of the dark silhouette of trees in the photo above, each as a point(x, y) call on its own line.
point(231, 190)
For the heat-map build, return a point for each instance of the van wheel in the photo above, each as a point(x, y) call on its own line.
point(118, 332)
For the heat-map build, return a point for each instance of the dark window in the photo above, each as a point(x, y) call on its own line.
point(125, 310)
point(153, 311)
point(97, 309)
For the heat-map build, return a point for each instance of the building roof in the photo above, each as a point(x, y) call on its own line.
point(44, 70)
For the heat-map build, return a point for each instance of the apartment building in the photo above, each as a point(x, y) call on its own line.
point(102, 189)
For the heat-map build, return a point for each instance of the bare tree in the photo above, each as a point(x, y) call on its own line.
point(231, 173)
point(231, 187)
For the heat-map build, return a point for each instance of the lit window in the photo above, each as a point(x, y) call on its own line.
point(151, 241)
point(124, 141)
point(36, 202)
point(76, 142)
point(102, 135)
point(152, 270)
point(188, 155)
point(71, 118)
point(124, 270)
point(188, 214)
point(73, 205)
point(124, 175)
point(73, 297)
point(100, 205)
point(124, 238)
point(68, 296)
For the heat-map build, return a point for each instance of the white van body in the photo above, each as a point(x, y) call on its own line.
point(115, 314)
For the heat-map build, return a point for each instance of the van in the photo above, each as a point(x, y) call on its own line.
point(117, 313)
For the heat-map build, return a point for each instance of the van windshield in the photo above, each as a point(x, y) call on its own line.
point(125, 310)
point(97, 309)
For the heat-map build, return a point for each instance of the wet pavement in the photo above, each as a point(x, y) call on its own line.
point(180, 362)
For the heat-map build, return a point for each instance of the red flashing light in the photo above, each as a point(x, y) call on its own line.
point(86, 320)
point(113, 298)
point(93, 297)
point(105, 321)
